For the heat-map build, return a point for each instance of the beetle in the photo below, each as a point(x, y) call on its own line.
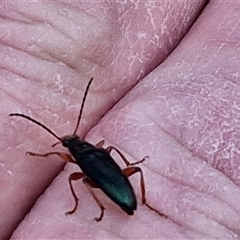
point(99, 170)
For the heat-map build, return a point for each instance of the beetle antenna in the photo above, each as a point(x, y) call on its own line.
point(83, 102)
point(38, 123)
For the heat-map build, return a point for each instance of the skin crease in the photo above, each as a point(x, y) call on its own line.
point(183, 115)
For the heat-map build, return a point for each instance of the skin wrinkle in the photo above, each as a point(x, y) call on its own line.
point(41, 141)
point(199, 210)
point(58, 25)
point(29, 107)
point(152, 22)
point(43, 107)
point(209, 136)
point(49, 52)
point(45, 21)
point(30, 136)
point(27, 52)
point(215, 218)
point(35, 77)
point(153, 170)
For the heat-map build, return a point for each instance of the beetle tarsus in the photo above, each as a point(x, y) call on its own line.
point(135, 163)
point(98, 219)
point(71, 212)
point(155, 210)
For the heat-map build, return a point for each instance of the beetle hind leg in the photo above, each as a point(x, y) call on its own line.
point(132, 170)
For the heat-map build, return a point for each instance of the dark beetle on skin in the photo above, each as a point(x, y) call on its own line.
point(99, 170)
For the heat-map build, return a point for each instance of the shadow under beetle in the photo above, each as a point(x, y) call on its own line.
point(99, 170)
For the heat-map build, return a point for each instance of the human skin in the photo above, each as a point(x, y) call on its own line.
point(182, 113)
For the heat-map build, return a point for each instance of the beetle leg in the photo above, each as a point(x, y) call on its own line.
point(89, 184)
point(73, 177)
point(132, 170)
point(64, 156)
point(100, 144)
point(110, 148)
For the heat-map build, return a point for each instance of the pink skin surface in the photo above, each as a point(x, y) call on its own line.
point(182, 113)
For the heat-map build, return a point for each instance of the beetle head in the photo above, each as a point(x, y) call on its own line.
point(68, 140)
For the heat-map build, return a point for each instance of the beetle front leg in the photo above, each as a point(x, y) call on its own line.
point(64, 156)
point(132, 170)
